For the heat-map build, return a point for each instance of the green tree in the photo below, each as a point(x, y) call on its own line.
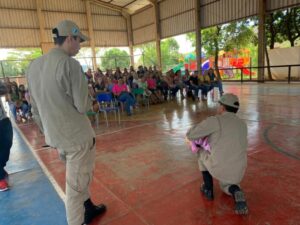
point(227, 37)
point(115, 58)
point(149, 56)
point(291, 25)
point(169, 54)
point(18, 60)
point(281, 26)
point(273, 26)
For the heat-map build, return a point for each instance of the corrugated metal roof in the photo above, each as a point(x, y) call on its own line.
point(279, 4)
point(115, 23)
point(19, 23)
point(170, 8)
point(53, 18)
point(110, 39)
point(143, 35)
point(28, 4)
point(180, 24)
point(19, 38)
point(13, 18)
point(219, 12)
point(131, 6)
point(176, 17)
point(95, 9)
point(64, 5)
point(143, 18)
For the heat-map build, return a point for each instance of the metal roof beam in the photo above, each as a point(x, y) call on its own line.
point(129, 3)
point(107, 5)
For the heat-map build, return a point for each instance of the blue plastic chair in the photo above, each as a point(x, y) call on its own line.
point(106, 104)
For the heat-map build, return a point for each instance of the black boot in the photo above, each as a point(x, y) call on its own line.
point(208, 193)
point(207, 188)
point(92, 211)
point(241, 207)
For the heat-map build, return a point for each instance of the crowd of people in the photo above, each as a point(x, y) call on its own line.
point(131, 86)
point(18, 100)
point(60, 99)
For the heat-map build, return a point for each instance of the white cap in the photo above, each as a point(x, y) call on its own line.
point(69, 28)
point(230, 100)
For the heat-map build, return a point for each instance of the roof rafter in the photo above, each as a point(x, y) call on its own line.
point(129, 3)
point(108, 5)
point(122, 9)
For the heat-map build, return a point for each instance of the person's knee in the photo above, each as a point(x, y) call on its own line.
point(229, 189)
point(233, 188)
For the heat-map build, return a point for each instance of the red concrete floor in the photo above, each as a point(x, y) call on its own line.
point(146, 175)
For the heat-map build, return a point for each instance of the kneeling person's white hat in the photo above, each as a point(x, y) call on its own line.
point(69, 28)
point(230, 100)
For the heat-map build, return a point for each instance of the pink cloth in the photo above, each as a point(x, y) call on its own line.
point(151, 83)
point(203, 142)
point(117, 89)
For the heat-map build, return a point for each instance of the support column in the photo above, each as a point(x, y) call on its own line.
point(91, 33)
point(158, 33)
point(131, 52)
point(198, 34)
point(129, 36)
point(45, 45)
point(261, 38)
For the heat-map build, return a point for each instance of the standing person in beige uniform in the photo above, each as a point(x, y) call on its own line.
point(227, 159)
point(60, 100)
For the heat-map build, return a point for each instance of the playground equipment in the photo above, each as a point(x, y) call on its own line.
point(227, 61)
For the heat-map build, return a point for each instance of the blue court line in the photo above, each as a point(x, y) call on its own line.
point(32, 199)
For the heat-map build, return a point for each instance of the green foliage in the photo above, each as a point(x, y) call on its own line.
point(169, 54)
point(228, 36)
point(210, 37)
point(192, 38)
point(237, 35)
point(283, 26)
point(149, 56)
point(273, 26)
point(115, 58)
point(18, 60)
point(290, 28)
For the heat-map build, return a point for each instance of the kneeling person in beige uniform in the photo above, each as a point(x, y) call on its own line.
point(60, 100)
point(227, 159)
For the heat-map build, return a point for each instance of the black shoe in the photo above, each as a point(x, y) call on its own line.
point(92, 211)
point(241, 207)
point(209, 194)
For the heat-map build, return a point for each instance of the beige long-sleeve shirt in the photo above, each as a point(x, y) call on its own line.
point(227, 136)
point(59, 98)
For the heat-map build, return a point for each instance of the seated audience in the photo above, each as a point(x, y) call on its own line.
point(121, 92)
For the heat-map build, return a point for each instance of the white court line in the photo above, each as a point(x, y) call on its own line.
point(254, 152)
point(127, 128)
point(40, 149)
point(58, 189)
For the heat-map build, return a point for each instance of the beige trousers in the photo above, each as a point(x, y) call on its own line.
point(79, 172)
point(202, 155)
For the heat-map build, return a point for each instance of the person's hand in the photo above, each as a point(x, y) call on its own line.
point(187, 141)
